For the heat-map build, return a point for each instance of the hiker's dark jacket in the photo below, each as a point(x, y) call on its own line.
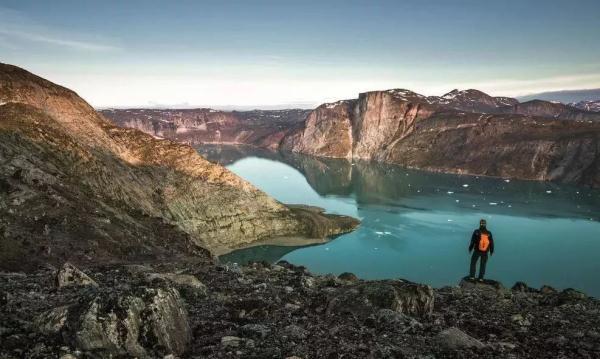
point(475, 241)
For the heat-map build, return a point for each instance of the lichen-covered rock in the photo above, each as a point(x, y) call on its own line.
point(51, 322)
point(135, 323)
point(454, 338)
point(69, 275)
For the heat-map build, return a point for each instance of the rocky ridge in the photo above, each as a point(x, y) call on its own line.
point(283, 311)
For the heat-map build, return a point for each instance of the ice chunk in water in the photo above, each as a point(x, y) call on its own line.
point(465, 185)
point(493, 204)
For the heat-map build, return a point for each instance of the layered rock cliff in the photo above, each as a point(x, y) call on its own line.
point(401, 127)
point(201, 126)
point(73, 185)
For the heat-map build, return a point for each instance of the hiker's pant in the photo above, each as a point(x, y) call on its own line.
point(476, 255)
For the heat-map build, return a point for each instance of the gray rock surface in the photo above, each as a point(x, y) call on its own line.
point(69, 275)
point(454, 338)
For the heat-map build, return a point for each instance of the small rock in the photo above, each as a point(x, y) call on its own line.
point(277, 268)
point(308, 282)
point(546, 289)
point(288, 289)
point(255, 330)
point(519, 319)
point(454, 338)
point(69, 275)
point(506, 346)
point(295, 332)
point(292, 307)
point(521, 287)
point(348, 277)
point(231, 341)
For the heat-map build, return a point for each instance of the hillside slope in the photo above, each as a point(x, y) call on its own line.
point(73, 185)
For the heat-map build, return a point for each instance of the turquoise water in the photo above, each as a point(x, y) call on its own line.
point(417, 225)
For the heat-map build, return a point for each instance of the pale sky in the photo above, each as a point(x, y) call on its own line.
point(302, 53)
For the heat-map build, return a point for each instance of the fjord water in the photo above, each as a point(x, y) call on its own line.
point(417, 225)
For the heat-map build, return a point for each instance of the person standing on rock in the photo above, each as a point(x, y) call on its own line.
point(482, 243)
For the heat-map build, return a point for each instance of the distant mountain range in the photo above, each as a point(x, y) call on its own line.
point(463, 131)
point(565, 96)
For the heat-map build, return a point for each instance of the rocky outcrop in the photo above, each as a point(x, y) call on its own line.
point(281, 310)
point(114, 322)
point(74, 186)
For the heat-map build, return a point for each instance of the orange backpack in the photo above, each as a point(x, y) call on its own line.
point(484, 242)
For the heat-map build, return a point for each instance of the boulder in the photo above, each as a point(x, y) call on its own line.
point(454, 338)
point(231, 341)
point(365, 298)
point(69, 275)
point(130, 323)
point(487, 287)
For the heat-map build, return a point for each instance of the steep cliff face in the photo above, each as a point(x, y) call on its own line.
point(74, 185)
point(327, 131)
point(504, 146)
point(444, 134)
point(382, 118)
